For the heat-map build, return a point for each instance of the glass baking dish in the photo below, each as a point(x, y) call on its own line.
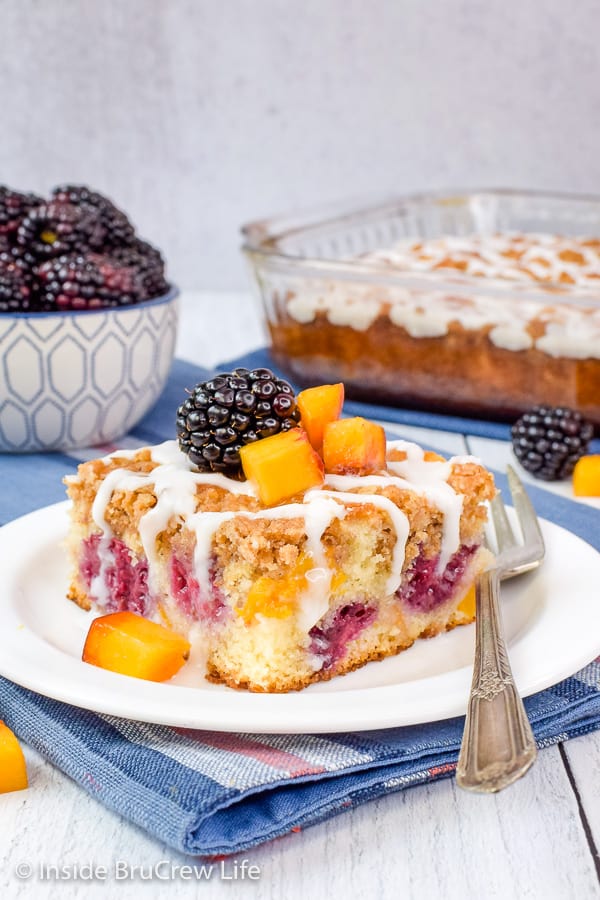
point(440, 339)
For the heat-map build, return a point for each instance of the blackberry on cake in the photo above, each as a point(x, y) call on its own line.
point(548, 441)
point(230, 410)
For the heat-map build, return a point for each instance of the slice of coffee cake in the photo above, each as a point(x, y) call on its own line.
point(350, 570)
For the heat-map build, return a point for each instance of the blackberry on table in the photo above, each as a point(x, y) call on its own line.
point(54, 228)
point(230, 410)
point(87, 281)
point(116, 229)
point(548, 441)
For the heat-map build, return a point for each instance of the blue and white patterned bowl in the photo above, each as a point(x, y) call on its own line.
point(78, 378)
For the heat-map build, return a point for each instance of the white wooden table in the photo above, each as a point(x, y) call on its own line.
point(537, 839)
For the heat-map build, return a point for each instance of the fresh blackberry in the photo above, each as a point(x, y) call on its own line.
point(54, 228)
point(149, 264)
point(14, 206)
point(234, 408)
point(87, 281)
point(117, 230)
point(548, 441)
point(140, 250)
point(15, 284)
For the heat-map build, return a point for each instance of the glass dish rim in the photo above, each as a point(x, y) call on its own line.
point(262, 237)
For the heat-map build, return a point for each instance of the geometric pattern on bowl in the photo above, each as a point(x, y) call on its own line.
point(79, 378)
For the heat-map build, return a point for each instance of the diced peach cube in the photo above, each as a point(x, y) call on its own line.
point(354, 447)
point(268, 597)
point(282, 465)
point(131, 645)
point(13, 771)
point(277, 598)
point(586, 476)
point(318, 406)
point(468, 603)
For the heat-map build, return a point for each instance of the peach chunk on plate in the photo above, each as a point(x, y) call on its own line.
point(126, 643)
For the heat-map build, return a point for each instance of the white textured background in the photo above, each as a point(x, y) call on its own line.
point(197, 115)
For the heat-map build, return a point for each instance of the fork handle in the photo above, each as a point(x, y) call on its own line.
point(498, 746)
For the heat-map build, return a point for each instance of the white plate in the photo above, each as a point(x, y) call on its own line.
point(552, 619)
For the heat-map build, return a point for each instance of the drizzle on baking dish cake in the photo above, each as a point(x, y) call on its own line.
point(478, 324)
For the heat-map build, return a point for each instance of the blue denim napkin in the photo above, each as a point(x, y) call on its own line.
point(209, 793)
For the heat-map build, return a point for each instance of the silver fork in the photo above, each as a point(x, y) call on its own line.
point(498, 746)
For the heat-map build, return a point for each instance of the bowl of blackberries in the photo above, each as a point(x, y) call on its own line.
point(88, 321)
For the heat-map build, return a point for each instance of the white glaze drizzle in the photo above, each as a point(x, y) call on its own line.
point(570, 319)
point(118, 479)
point(509, 256)
point(440, 494)
point(174, 482)
point(399, 521)
point(430, 478)
point(317, 513)
point(98, 586)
